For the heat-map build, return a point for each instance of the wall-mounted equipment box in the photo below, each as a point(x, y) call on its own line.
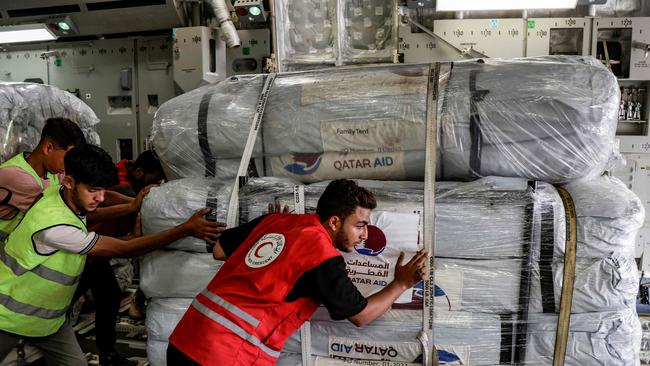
point(249, 58)
point(558, 36)
point(491, 37)
point(199, 57)
point(623, 44)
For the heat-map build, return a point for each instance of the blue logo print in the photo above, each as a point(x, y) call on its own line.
point(304, 164)
point(448, 358)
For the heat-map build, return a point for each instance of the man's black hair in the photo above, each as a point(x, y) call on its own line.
point(341, 197)
point(91, 165)
point(63, 132)
point(149, 162)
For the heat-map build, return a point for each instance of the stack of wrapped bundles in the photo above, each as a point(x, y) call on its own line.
point(513, 128)
point(24, 108)
point(171, 277)
point(481, 228)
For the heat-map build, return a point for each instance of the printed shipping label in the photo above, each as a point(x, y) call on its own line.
point(376, 135)
point(324, 361)
point(318, 167)
point(369, 350)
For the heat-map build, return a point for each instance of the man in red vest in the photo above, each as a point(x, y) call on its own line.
point(280, 267)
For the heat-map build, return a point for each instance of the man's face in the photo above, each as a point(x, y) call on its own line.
point(143, 179)
point(354, 230)
point(87, 198)
point(54, 158)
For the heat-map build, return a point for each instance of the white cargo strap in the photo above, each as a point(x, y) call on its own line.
point(233, 206)
point(299, 199)
point(305, 328)
point(430, 356)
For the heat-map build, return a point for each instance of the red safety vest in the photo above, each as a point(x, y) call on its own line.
point(241, 318)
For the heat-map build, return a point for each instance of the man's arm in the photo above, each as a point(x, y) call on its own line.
point(406, 276)
point(196, 226)
point(115, 198)
point(109, 212)
point(231, 239)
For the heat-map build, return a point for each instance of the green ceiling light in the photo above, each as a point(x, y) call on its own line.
point(250, 11)
point(64, 25)
point(254, 11)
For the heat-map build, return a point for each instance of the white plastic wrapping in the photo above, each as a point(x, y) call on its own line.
point(174, 202)
point(550, 119)
point(609, 216)
point(24, 108)
point(162, 317)
point(599, 339)
point(454, 331)
point(175, 273)
point(605, 338)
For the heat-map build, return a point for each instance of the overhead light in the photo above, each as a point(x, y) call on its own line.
point(460, 5)
point(61, 25)
point(25, 33)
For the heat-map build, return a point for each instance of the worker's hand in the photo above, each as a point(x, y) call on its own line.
point(412, 272)
point(136, 204)
point(276, 207)
point(210, 231)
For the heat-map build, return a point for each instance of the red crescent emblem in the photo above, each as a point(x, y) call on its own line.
point(257, 251)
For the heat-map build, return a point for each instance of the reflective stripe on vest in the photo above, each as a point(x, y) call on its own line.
point(27, 309)
point(234, 328)
point(231, 307)
point(40, 270)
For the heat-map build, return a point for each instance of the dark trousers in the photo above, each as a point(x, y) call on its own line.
point(98, 276)
point(178, 358)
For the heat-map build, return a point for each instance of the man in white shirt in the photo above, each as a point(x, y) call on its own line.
point(42, 259)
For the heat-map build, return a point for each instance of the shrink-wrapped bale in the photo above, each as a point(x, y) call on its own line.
point(474, 339)
point(599, 339)
point(609, 217)
point(174, 202)
point(550, 119)
point(24, 108)
point(604, 338)
point(175, 273)
point(162, 317)
point(488, 218)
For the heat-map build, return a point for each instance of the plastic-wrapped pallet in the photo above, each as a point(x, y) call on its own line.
point(550, 119)
point(175, 273)
point(174, 202)
point(24, 108)
point(162, 317)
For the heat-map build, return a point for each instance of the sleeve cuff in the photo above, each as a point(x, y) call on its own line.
point(90, 245)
